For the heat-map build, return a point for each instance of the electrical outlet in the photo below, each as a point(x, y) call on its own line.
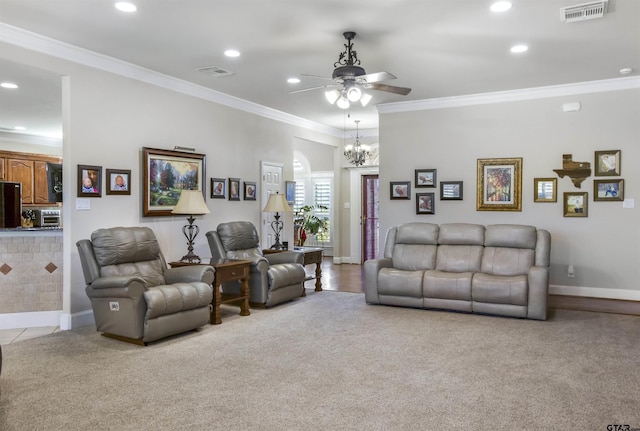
point(571, 271)
point(114, 306)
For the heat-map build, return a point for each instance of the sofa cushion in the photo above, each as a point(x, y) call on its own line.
point(459, 258)
point(499, 290)
point(506, 261)
point(447, 285)
point(417, 233)
point(461, 233)
point(510, 235)
point(394, 282)
point(412, 257)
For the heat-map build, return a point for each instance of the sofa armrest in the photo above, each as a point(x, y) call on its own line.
point(191, 273)
point(538, 279)
point(371, 269)
point(124, 286)
point(285, 257)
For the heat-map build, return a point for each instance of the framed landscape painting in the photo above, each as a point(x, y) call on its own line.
point(499, 185)
point(166, 174)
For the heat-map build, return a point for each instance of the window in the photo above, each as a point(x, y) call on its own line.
point(322, 197)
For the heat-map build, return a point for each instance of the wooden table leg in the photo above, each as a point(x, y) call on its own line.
point(216, 317)
point(244, 304)
point(318, 276)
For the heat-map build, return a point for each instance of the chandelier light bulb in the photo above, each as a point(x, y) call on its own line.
point(354, 94)
point(343, 102)
point(332, 95)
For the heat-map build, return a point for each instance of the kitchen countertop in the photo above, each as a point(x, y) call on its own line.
point(30, 231)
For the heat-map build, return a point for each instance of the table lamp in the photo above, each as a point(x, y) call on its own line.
point(192, 203)
point(277, 203)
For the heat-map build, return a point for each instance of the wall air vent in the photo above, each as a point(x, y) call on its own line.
point(583, 12)
point(215, 71)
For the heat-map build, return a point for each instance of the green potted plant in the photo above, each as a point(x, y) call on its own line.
point(308, 223)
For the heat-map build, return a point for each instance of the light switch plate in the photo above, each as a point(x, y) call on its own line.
point(628, 203)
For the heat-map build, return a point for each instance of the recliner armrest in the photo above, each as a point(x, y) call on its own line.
point(120, 286)
point(285, 257)
point(116, 281)
point(186, 274)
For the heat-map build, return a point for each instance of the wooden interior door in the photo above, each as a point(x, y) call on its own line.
point(369, 219)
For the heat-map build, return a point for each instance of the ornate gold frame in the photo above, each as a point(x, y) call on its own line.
point(499, 185)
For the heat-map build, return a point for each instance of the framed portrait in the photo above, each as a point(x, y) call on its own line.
point(425, 203)
point(291, 191)
point(575, 204)
point(425, 178)
point(218, 188)
point(607, 163)
point(400, 190)
point(608, 190)
point(166, 174)
point(118, 181)
point(545, 189)
point(89, 181)
point(234, 189)
point(249, 191)
point(450, 190)
point(499, 185)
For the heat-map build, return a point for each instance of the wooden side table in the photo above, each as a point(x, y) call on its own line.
point(227, 270)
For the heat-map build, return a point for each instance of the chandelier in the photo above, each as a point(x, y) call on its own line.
point(357, 153)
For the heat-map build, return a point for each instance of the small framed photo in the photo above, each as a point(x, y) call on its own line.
point(119, 181)
point(425, 203)
point(545, 189)
point(291, 191)
point(608, 190)
point(249, 191)
point(218, 188)
point(234, 189)
point(450, 190)
point(425, 178)
point(575, 204)
point(400, 190)
point(89, 181)
point(607, 163)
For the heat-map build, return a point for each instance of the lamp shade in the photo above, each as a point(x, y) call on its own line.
point(277, 203)
point(190, 202)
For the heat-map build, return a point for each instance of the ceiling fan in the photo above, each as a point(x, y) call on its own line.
point(348, 77)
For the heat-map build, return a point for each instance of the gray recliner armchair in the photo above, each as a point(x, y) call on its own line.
point(134, 295)
point(274, 278)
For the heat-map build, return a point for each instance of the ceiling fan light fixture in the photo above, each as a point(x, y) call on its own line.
point(343, 102)
point(354, 94)
point(365, 99)
point(332, 95)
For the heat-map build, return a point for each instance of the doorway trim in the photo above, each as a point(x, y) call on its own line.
point(355, 199)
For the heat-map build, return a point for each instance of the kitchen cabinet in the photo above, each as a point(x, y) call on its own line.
point(30, 170)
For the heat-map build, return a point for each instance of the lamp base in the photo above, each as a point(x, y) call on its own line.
point(190, 258)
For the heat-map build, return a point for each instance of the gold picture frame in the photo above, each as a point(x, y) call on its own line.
point(608, 190)
point(576, 204)
point(545, 189)
point(607, 163)
point(499, 184)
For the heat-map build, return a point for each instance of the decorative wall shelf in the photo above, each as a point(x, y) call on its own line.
point(577, 171)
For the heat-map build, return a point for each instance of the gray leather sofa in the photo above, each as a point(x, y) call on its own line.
point(134, 295)
point(274, 278)
point(494, 269)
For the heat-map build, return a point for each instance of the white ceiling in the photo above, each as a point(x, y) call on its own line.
point(438, 48)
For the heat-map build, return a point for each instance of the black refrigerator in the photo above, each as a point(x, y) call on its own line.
point(10, 204)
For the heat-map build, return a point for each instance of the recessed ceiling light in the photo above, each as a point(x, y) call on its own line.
point(516, 49)
point(626, 71)
point(232, 53)
point(501, 6)
point(293, 80)
point(8, 85)
point(126, 6)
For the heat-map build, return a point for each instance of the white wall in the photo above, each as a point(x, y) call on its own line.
point(109, 118)
point(604, 247)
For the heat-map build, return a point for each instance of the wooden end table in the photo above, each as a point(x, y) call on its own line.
point(227, 270)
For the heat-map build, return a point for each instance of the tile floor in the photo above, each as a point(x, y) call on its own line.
point(8, 336)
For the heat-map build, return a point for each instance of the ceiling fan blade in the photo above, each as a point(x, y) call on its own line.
point(377, 77)
point(313, 88)
point(316, 76)
point(390, 89)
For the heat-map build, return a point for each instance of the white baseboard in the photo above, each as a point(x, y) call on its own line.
point(341, 260)
point(33, 319)
point(595, 292)
point(77, 320)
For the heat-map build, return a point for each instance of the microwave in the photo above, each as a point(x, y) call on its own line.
point(47, 218)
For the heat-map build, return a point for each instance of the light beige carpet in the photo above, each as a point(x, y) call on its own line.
point(331, 362)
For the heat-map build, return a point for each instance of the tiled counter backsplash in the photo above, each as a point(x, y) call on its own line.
point(30, 273)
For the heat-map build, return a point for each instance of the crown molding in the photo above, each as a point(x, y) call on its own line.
point(55, 48)
point(572, 89)
point(25, 138)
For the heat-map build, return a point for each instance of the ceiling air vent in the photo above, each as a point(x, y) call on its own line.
point(583, 12)
point(215, 71)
